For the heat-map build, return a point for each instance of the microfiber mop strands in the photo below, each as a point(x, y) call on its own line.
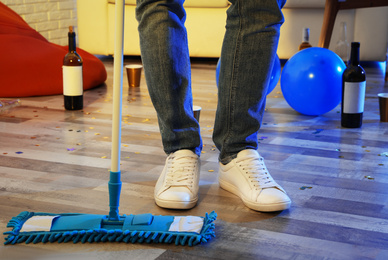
point(144, 228)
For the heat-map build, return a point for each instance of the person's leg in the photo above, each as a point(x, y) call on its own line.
point(248, 52)
point(165, 56)
point(166, 61)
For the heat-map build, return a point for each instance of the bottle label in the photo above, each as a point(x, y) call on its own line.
point(354, 97)
point(72, 80)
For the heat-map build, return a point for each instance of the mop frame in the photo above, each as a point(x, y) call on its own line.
point(126, 233)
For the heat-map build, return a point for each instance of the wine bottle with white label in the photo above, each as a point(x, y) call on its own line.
point(72, 76)
point(353, 90)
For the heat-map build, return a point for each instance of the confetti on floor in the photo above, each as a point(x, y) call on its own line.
point(19, 152)
point(369, 177)
point(384, 154)
point(305, 187)
point(70, 149)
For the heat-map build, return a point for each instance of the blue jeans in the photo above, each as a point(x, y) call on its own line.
point(247, 56)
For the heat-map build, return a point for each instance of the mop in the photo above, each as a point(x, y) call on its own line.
point(35, 227)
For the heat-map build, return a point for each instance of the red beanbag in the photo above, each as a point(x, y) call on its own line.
point(32, 66)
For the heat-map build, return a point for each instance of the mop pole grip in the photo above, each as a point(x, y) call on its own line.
point(114, 186)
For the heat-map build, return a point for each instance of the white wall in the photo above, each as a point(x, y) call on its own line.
point(51, 18)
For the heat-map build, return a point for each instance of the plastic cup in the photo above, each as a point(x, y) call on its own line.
point(133, 74)
point(197, 112)
point(383, 104)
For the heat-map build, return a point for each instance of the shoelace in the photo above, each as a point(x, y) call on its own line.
point(181, 171)
point(257, 172)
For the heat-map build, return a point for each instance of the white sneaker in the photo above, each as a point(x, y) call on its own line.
point(177, 186)
point(247, 177)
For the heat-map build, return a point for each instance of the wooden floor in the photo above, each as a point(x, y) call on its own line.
point(52, 160)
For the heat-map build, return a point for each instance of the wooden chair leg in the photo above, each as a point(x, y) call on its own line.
point(330, 14)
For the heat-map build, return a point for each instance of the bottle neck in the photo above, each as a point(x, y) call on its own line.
point(306, 35)
point(343, 31)
point(72, 43)
point(355, 54)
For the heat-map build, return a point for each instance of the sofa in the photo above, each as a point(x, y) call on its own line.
point(205, 25)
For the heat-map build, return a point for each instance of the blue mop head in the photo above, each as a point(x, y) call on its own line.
point(30, 227)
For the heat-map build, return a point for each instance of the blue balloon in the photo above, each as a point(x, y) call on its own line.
point(311, 81)
point(275, 74)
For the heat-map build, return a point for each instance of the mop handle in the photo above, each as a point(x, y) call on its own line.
point(114, 181)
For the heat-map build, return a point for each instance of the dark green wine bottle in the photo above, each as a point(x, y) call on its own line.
point(353, 90)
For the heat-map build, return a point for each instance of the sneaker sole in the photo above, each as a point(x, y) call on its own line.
point(255, 206)
point(168, 204)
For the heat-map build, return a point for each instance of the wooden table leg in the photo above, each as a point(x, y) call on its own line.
point(330, 14)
